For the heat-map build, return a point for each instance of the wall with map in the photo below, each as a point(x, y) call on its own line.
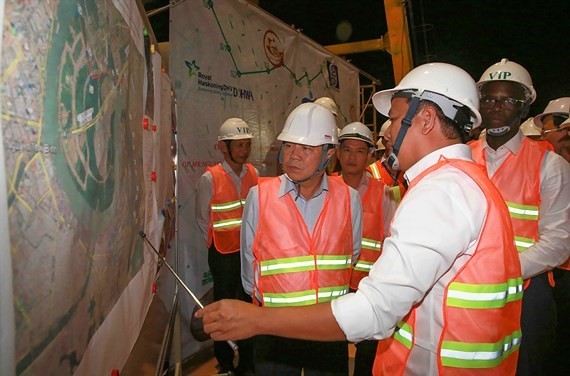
point(231, 59)
point(84, 174)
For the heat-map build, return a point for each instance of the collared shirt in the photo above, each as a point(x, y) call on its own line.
point(205, 192)
point(553, 246)
point(309, 210)
point(434, 231)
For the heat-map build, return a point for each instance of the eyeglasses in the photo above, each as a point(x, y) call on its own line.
point(507, 103)
point(547, 131)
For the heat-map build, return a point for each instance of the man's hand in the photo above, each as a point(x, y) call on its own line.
point(230, 319)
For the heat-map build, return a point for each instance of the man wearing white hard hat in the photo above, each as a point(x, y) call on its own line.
point(554, 123)
point(301, 234)
point(220, 195)
point(378, 206)
point(529, 177)
point(426, 298)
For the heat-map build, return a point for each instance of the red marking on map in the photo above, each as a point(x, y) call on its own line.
point(273, 47)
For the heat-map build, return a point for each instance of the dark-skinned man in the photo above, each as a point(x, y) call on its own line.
point(533, 182)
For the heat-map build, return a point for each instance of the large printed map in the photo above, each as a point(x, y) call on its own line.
point(72, 92)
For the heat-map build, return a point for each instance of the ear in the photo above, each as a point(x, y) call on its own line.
point(330, 152)
point(222, 146)
point(427, 118)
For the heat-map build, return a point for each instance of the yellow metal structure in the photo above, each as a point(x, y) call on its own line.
point(357, 47)
point(398, 38)
point(396, 41)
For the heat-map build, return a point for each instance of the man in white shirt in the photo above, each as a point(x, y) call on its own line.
point(220, 194)
point(533, 181)
point(450, 241)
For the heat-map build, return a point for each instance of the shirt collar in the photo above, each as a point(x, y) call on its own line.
point(513, 145)
point(287, 186)
point(230, 171)
point(456, 151)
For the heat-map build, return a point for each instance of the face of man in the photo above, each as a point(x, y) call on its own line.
point(558, 137)
point(397, 112)
point(353, 156)
point(301, 161)
point(502, 107)
point(239, 150)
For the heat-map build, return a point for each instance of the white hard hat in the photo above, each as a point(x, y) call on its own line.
point(310, 124)
point(356, 131)
point(380, 145)
point(384, 128)
point(506, 70)
point(444, 84)
point(529, 128)
point(328, 103)
point(560, 106)
point(565, 123)
point(234, 129)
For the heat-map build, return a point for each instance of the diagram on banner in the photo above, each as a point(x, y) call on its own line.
point(74, 186)
point(274, 49)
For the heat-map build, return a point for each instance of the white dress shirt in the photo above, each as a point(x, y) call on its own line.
point(434, 231)
point(205, 192)
point(309, 210)
point(553, 246)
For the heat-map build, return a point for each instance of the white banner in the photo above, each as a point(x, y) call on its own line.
point(231, 59)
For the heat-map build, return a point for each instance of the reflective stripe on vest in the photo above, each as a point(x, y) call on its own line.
point(523, 243)
point(375, 172)
point(397, 193)
point(302, 298)
point(363, 266)
point(304, 263)
point(523, 211)
point(371, 244)
point(479, 355)
point(404, 334)
point(465, 295)
point(227, 206)
point(227, 223)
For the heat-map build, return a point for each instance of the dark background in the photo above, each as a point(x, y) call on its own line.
point(470, 34)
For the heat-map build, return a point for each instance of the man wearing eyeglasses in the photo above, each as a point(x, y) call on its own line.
point(530, 179)
point(555, 125)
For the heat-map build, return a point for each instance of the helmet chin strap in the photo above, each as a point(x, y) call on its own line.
point(392, 159)
point(228, 142)
point(501, 131)
point(323, 163)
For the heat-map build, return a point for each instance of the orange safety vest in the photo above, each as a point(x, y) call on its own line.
point(518, 180)
point(481, 304)
point(379, 172)
point(226, 208)
point(372, 232)
point(294, 267)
